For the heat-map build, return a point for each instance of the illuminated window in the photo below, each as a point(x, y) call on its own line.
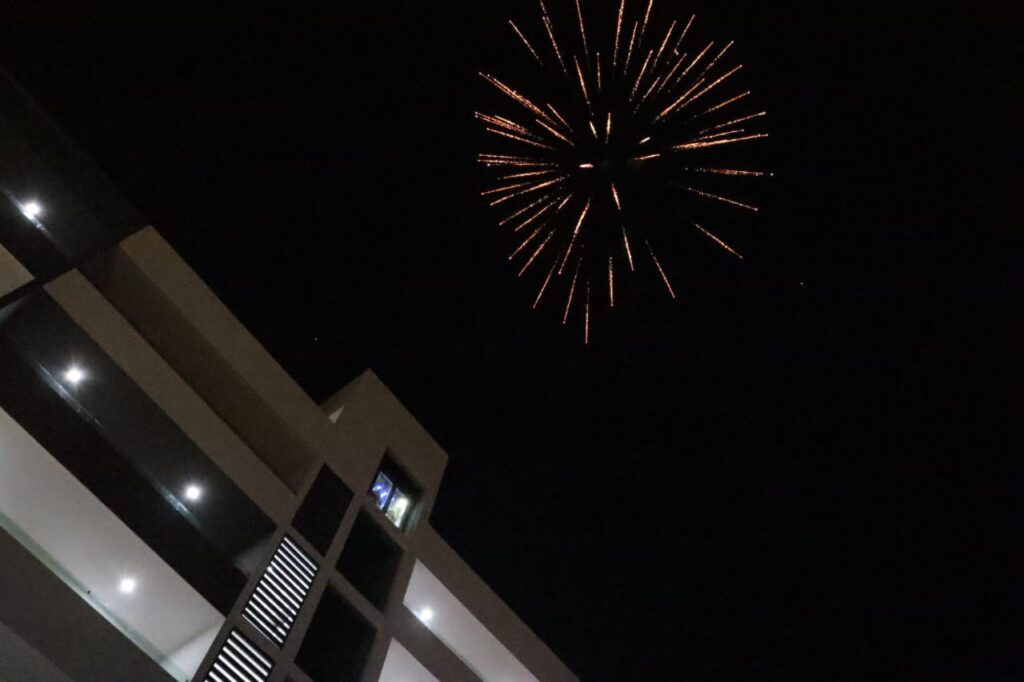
point(381, 490)
point(394, 494)
point(398, 508)
point(390, 499)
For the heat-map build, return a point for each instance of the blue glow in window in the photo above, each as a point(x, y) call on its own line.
point(382, 490)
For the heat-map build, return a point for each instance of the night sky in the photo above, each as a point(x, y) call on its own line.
point(805, 468)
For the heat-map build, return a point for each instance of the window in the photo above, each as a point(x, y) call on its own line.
point(274, 605)
point(394, 494)
point(239, 661)
point(382, 489)
point(337, 643)
point(320, 514)
point(397, 508)
point(370, 559)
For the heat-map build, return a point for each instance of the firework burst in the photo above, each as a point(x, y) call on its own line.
point(585, 161)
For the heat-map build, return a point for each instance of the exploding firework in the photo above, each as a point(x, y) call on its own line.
point(582, 171)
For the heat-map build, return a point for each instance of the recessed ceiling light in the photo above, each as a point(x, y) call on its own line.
point(193, 493)
point(426, 615)
point(32, 209)
point(127, 585)
point(74, 375)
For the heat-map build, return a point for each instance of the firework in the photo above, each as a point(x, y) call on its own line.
point(586, 151)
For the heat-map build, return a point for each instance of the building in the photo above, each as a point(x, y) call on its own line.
point(172, 505)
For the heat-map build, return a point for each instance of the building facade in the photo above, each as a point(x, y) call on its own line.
point(172, 505)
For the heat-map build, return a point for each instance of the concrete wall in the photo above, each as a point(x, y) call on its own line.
point(12, 273)
point(170, 334)
point(51, 619)
point(19, 662)
point(170, 306)
point(489, 609)
point(126, 347)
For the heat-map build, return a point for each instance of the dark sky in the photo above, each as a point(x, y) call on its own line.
point(762, 480)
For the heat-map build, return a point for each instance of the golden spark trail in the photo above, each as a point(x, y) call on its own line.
point(500, 128)
point(554, 132)
point(611, 283)
point(510, 122)
point(629, 52)
point(511, 127)
point(554, 44)
point(536, 215)
point(526, 42)
point(501, 122)
point(679, 43)
point(618, 31)
point(505, 157)
point(513, 94)
point(650, 89)
point(646, 157)
point(583, 85)
point(608, 127)
point(597, 64)
point(544, 286)
point(508, 188)
point(696, 59)
point(516, 164)
point(715, 143)
point(729, 171)
point(686, 29)
point(664, 277)
point(497, 160)
point(640, 77)
point(718, 241)
point(726, 124)
point(675, 48)
point(534, 188)
point(528, 174)
point(524, 210)
point(714, 61)
point(537, 252)
point(671, 108)
point(593, 129)
point(661, 49)
point(528, 240)
point(517, 138)
point(724, 104)
point(575, 233)
point(629, 251)
point(583, 30)
point(559, 117)
point(544, 209)
point(523, 160)
point(647, 16)
point(572, 290)
point(528, 138)
point(724, 133)
point(672, 71)
point(727, 200)
point(615, 196)
point(712, 85)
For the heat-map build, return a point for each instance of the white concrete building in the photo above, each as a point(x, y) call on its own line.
point(172, 505)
